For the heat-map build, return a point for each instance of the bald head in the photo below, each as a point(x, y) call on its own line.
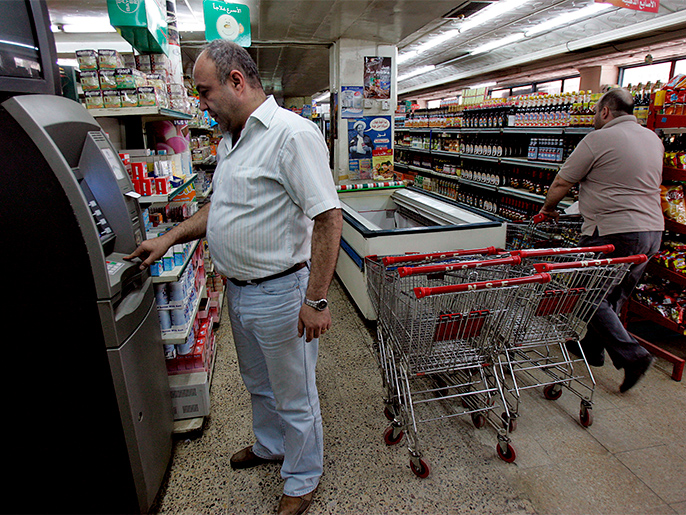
point(619, 101)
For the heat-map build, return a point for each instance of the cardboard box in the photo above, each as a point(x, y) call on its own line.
point(190, 394)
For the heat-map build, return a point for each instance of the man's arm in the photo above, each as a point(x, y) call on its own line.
point(326, 239)
point(557, 191)
point(188, 230)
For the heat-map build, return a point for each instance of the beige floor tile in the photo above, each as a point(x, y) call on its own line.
point(662, 471)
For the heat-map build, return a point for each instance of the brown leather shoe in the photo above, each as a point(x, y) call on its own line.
point(295, 505)
point(245, 459)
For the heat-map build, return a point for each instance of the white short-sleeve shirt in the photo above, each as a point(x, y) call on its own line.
point(267, 188)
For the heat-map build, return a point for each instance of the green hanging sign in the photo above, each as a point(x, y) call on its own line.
point(143, 23)
point(227, 21)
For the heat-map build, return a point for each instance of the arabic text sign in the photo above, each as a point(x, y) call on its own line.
point(227, 21)
point(649, 6)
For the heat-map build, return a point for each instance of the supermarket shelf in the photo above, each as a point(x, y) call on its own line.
point(477, 184)
point(670, 121)
point(533, 164)
point(671, 225)
point(673, 174)
point(155, 199)
point(666, 273)
point(653, 316)
point(152, 112)
point(175, 273)
point(497, 130)
point(177, 338)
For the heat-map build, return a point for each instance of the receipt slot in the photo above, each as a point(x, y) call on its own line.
point(90, 394)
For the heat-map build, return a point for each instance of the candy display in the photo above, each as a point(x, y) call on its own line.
point(664, 297)
point(672, 199)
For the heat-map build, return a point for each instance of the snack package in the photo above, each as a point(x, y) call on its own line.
point(129, 97)
point(90, 80)
point(93, 99)
point(672, 199)
point(108, 79)
point(88, 59)
point(110, 98)
point(108, 59)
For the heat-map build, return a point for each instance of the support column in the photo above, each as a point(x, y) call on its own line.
point(595, 77)
point(346, 68)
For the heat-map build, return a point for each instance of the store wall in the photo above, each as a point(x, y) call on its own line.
point(346, 68)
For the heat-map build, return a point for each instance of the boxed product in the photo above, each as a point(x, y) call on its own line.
point(156, 80)
point(129, 78)
point(129, 97)
point(108, 79)
point(88, 59)
point(111, 98)
point(143, 63)
point(190, 395)
point(109, 59)
point(93, 99)
point(90, 80)
point(128, 59)
point(147, 96)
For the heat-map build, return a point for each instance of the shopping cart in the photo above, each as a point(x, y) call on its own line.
point(542, 231)
point(536, 335)
point(439, 348)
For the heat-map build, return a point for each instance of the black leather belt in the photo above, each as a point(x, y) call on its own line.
point(291, 270)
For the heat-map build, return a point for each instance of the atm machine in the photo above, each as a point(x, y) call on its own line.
point(87, 416)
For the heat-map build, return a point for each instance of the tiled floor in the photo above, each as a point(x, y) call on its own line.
point(631, 460)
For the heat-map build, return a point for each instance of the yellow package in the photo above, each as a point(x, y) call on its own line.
point(672, 198)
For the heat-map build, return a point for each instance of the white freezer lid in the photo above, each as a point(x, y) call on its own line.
point(435, 209)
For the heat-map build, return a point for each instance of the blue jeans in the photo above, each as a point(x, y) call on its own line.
point(278, 369)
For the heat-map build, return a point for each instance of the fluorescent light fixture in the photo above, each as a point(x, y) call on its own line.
point(498, 43)
point(482, 85)
point(416, 71)
point(68, 62)
point(406, 56)
point(190, 26)
point(87, 28)
point(492, 11)
point(437, 40)
point(324, 96)
point(567, 18)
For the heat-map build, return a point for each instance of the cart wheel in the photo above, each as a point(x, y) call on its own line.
point(509, 423)
point(388, 413)
point(586, 416)
point(389, 436)
point(552, 392)
point(422, 470)
point(478, 420)
point(509, 455)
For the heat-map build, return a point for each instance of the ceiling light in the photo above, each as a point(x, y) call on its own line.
point(498, 43)
point(90, 28)
point(435, 41)
point(490, 12)
point(567, 18)
point(416, 71)
point(324, 96)
point(406, 56)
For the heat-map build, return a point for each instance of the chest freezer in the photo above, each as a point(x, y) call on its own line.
point(405, 219)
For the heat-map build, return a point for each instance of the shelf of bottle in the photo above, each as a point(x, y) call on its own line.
point(519, 161)
point(673, 174)
point(504, 190)
point(498, 130)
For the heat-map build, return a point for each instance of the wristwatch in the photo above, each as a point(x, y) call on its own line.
point(319, 305)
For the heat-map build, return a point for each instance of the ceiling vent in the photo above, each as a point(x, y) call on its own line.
point(466, 9)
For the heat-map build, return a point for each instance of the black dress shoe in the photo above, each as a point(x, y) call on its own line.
point(245, 459)
point(593, 359)
point(634, 371)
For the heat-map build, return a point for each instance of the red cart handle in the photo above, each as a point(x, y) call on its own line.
point(549, 267)
point(408, 258)
point(540, 217)
point(482, 285)
point(605, 249)
point(464, 265)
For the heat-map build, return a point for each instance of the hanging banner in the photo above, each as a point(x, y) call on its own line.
point(648, 6)
point(227, 21)
point(377, 77)
point(370, 150)
point(143, 23)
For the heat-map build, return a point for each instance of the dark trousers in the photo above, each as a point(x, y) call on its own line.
point(605, 331)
